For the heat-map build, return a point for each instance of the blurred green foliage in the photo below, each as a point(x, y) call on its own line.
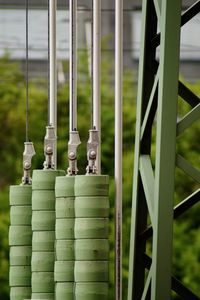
point(186, 260)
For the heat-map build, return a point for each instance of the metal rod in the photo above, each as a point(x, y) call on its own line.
point(27, 73)
point(53, 63)
point(118, 145)
point(92, 64)
point(73, 66)
point(96, 84)
point(48, 62)
point(74, 140)
point(53, 72)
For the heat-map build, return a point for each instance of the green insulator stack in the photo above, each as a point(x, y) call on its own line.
point(43, 230)
point(91, 237)
point(64, 244)
point(20, 235)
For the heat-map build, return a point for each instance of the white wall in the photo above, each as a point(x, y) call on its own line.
point(12, 33)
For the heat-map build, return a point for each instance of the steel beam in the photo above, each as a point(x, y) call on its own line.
point(153, 187)
point(139, 205)
point(165, 150)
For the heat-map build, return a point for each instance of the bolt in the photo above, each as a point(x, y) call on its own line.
point(49, 150)
point(72, 155)
point(26, 165)
point(92, 154)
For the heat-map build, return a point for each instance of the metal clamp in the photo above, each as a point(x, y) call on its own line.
point(92, 149)
point(28, 153)
point(74, 142)
point(49, 147)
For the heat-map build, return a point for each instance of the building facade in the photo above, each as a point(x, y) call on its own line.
point(12, 33)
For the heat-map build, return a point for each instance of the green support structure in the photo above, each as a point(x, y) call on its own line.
point(170, 21)
point(150, 261)
point(64, 243)
point(20, 235)
point(43, 232)
point(91, 237)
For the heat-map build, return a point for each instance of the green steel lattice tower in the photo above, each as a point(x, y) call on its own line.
point(150, 277)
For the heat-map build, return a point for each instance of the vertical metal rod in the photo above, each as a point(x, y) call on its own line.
point(53, 71)
point(48, 61)
point(97, 74)
point(74, 140)
point(92, 64)
point(27, 71)
point(73, 66)
point(118, 145)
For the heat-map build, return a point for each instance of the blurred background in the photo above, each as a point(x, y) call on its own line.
point(186, 259)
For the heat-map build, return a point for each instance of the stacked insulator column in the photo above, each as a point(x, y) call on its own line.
point(64, 244)
point(20, 235)
point(43, 228)
point(91, 237)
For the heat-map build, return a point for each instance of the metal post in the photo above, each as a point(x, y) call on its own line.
point(136, 278)
point(73, 66)
point(74, 140)
point(165, 150)
point(118, 144)
point(94, 141)
point(53, 72)
point(97, 75)
point(88, 33)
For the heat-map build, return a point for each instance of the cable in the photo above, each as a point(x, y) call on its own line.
point(27, 71)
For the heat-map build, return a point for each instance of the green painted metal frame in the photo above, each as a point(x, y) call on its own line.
point(153, 187)
point(165, 149)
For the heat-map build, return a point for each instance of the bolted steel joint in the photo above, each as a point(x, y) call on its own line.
point(28, 153)
point(49, 146)
point(74, 142)
point(92, 149)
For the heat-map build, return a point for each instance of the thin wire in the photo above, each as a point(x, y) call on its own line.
point(48, 62)
point(27, 74)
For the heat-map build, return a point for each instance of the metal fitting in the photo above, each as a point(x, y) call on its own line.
point(49, 148)
point(28, 153)
point(74, 142)
point(92, 150)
